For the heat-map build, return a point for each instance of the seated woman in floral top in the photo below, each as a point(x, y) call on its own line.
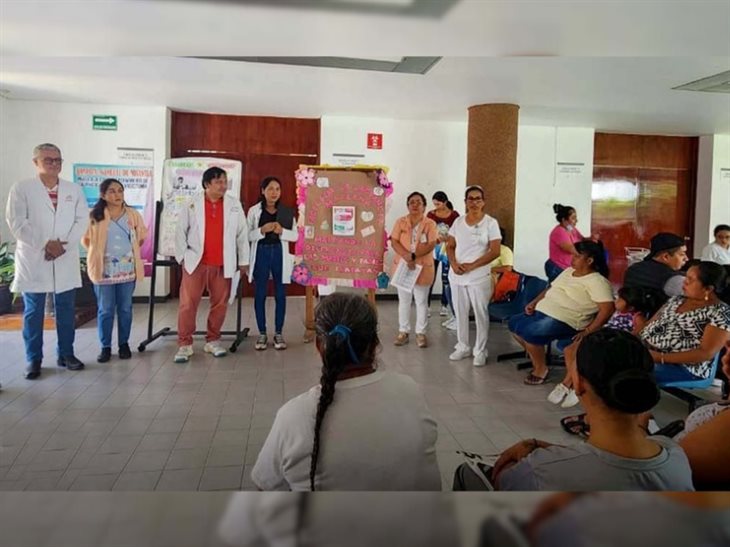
point(686, 334)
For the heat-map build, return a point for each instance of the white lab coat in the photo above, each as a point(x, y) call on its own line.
point(190, 234)
point(255, 235)
point(34, 222)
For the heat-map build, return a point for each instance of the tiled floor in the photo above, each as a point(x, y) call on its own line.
point(151, 424)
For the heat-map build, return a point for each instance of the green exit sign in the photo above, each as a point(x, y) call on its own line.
point(104, 122)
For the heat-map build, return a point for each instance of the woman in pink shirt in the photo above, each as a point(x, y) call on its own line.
point(413, 238)
point(562, 241)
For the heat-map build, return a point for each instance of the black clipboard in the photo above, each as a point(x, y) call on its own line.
point(285, 217)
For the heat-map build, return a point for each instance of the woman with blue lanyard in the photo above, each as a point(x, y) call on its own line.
point(443, 215)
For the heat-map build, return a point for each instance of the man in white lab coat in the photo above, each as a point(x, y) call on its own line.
point(211, 243)
point(47, 216)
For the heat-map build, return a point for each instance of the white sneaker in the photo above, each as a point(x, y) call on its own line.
point(215, 348)
point(444, 311)
point(450, 323)
point(458, 355)
point(183, 354)
point(558, 393)
point(571, 399)
point(429, 313)
point(480, 359)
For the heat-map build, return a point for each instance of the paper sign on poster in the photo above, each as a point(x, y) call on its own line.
point(343, 221)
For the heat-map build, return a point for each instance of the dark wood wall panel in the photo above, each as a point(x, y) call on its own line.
point(648, 151)
point(642, 185)
point(249, 134)
point(266, 145)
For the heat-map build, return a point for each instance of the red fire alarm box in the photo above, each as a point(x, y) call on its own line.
point(375, 141)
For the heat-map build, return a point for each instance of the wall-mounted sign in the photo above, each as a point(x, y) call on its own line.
point(136, 156)
point(568, 172)
point(104, 122)
point(347, 160)
point(375, 141)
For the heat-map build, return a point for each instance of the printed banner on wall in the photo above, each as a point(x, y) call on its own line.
point(181, 178)
point(137, 181)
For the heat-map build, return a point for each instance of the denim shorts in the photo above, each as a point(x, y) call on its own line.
point(539, 329)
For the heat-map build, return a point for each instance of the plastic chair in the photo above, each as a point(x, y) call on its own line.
point(678, 388)
point(531, 286)
point(635, 254)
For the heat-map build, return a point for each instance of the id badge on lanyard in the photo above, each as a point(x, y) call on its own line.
point(416, 234)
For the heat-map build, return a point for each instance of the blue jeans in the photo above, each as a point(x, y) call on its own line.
point(111, 298)
point(445, 301)
point(552, 270)
point(446, 287)
point(269, 260)
point(33, 314)
point(539, 329)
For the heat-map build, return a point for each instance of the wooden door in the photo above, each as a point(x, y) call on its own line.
point(267, 146)
point(282, 167)
point(642, 185)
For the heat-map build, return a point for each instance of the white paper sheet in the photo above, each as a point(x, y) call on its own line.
point(234, 286)
point(404, 278)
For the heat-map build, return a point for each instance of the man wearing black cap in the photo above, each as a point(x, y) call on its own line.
point(660, 270)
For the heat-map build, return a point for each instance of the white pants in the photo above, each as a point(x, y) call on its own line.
point(420, 293)
point(476, 297)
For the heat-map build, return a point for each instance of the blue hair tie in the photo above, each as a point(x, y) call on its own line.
point(345, 332)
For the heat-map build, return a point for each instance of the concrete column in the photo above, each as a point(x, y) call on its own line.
point(491, 160)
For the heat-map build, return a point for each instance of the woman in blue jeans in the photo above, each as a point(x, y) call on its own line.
point(579, 301)
point(270, 229)
point(114, 265)
point(444, 215)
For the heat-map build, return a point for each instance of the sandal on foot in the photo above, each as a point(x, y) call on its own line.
point(576, 425)
point(533, 380)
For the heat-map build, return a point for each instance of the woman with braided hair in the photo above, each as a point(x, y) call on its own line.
point(362, 427)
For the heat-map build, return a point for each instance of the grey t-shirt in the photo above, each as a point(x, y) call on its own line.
point(637, 519)
point(584, 468)
point(674, 286)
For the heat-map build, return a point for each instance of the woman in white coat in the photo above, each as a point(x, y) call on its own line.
point(270, 229)
point(47, 216)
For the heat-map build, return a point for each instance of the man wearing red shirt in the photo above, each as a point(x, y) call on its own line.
point(211, 244)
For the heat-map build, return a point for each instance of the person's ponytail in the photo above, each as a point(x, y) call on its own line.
point(347, 335)
point(562, 212)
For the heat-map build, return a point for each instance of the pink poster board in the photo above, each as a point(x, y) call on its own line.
point(342, 237)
